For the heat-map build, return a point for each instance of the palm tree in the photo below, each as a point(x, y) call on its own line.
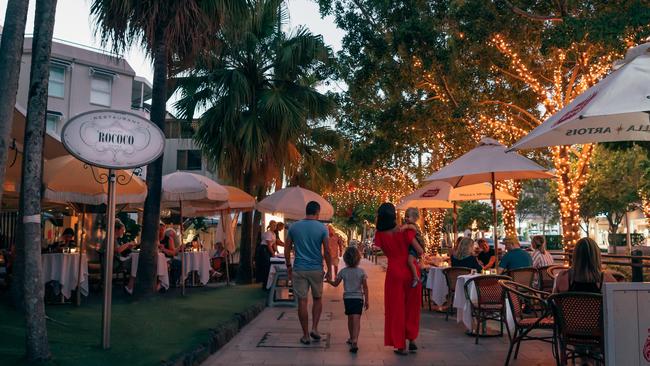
point(258, 96)
point(11, 49)
point(172, 32)
point(30, 188)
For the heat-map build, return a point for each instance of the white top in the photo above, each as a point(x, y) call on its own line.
point(541, 260)
point(268, 237)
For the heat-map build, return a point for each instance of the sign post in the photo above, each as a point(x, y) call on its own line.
point(112, 140)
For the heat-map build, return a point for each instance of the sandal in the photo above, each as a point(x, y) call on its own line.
point(305, 341)
point(315, 336)
point(354, 348)
point(401, 352)
point(412, 347)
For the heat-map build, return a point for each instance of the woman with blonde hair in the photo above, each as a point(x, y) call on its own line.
point(541, 256)
point(464, 255)
point(585, 274)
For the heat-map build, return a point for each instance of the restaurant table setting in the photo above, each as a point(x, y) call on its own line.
point(463, 307)
point(63, 268)
point(199, 261)
point(437, 283)
point(161, 268)
point(278, 264)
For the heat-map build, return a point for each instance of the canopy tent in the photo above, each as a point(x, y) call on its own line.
point(292, 201)
point(489, 162)
point(615, 109)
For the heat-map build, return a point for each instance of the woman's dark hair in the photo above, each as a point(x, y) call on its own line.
point(386, 217)
point(352, 257)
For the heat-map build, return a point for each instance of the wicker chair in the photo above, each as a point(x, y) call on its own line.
point(489, 300)
point(553, 271)
point(546, 282)
point(579, 320)
point(537, 317)
point(451, 275)
point(523, 276)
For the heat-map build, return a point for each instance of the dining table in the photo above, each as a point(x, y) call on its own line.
point(278, 264)
point(63, 268)
point(437, 283)
point(161, 268)
point(199, 261)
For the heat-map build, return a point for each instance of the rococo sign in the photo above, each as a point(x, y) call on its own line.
point(113, 139)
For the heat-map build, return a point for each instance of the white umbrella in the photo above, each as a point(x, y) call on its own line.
point(438, 194)
point(615, 109)
point(188, 190)
point(292, 201)
point(489, 162)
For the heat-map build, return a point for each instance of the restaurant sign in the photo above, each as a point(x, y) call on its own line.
point(113, 139)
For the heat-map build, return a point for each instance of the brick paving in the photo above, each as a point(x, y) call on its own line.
point(272, 339)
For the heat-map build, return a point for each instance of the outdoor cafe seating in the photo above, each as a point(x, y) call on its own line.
point(451, 277)
point(488, 303)
point(524, 276)
point(528, 312)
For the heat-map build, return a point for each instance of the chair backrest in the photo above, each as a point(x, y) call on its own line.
point(518, 295)
point(578, 315)
point(618, 276)
point(488, 289)
point(452, 273)
point(553, 271)
point(524, 276)
point(546, 281)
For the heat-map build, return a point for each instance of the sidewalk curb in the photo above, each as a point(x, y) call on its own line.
point(217, 338)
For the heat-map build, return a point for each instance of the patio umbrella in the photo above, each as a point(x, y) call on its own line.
point(489, 162)
point(292, 201)
point(68, 180)
point(438, 194)
point(615, 109)
point(184, 189)
point(238, 200)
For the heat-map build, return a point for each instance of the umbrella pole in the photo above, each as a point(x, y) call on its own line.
point(81, 253)
point(223, 228)
point(494, 223)
point(628, 237)
point(454, 216)
point(180, 204)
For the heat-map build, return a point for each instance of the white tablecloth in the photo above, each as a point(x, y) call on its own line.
point(463, 307)
point(277, 264)
point(437, 283)
point(161, 271)
point(197, 261)
point(64, 269)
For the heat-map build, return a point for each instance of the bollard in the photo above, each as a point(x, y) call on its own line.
point(637, 269)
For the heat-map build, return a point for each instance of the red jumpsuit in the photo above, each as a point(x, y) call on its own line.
point(401, 301)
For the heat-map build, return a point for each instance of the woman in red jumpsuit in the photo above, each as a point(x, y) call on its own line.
point(402, 302)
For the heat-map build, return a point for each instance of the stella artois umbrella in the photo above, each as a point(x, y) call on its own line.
point(615, 109)
point(440, 194)
point(489, 162)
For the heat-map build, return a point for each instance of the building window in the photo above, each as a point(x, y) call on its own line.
point(100, 90)
point(188, 160)
point(56, 82)
point(52, 124)
point(176, 129)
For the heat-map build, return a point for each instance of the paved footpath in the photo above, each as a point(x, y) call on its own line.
point(272, 338)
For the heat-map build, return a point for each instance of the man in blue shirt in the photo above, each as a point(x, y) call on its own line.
point(308, 238)
point(516, 257)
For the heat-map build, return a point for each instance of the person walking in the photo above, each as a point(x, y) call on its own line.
point(335, 246)
point(355, 294)
point(265, 251)
point(401, 301)
point(309, 239)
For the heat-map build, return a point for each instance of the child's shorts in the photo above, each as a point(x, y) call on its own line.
point(353, 306)
point(413, 252)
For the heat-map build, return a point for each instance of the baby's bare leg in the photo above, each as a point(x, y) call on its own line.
point(411, 264)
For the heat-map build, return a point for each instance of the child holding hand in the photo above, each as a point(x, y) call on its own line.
point(355, 294)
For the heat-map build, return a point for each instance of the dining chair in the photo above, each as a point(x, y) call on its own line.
point(530, 313)
point(579, 322)
point(451, 276)
point(553, 271)
point(524, 276)
point(546, 282)
point(426, 292)
point(489, 300)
